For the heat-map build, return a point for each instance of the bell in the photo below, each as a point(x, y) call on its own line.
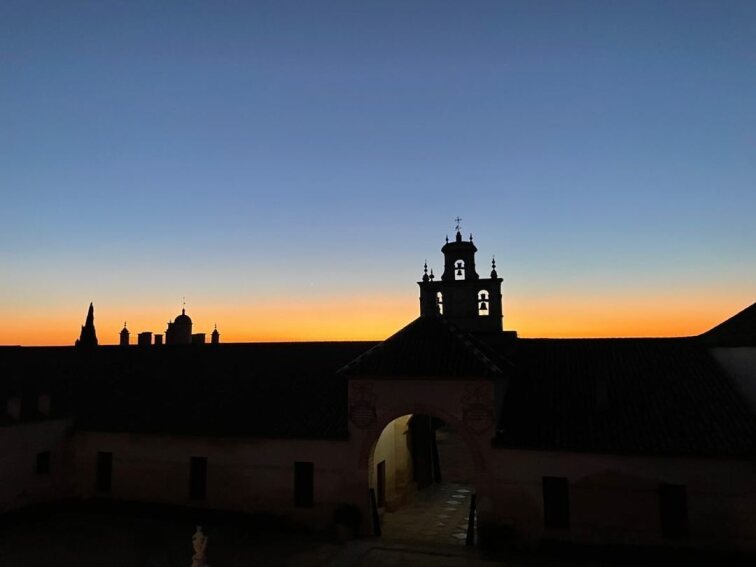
point(483, 306)
point(459, 272)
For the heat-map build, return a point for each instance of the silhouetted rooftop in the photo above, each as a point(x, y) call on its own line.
point(627, 396)
point(272, 390)
point(429, 347)
point(738, 330)
point(637, 396)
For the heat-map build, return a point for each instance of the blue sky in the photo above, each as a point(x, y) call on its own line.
point(254, 151)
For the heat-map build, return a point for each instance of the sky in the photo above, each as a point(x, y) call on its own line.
point(287, 167)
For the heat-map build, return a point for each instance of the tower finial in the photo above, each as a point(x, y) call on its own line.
point(183, 305)
point(494, 275)
point(425, 271)
point(458, 220)
point(124, 335)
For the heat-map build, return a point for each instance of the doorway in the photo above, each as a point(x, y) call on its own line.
point(423, 476)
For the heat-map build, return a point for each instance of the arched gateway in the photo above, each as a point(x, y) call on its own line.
point(445, 376)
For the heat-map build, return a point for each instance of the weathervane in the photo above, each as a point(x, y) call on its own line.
point(459, 225)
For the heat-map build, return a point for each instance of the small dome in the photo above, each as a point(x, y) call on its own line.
point(183, 319)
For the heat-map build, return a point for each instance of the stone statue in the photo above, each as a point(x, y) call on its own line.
point(199, 542)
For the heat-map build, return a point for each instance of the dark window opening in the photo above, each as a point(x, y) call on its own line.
point(104, 471)
point(304, 484)
point(198, 478)
point(380, 484)
point(673, 508)
point(556, 502)
point(42, 464)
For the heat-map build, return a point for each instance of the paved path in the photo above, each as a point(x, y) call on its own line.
point(438, 514)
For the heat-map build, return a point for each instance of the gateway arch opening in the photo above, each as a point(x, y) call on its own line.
point(422, 478)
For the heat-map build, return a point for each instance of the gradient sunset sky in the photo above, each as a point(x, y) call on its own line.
point(288, 166)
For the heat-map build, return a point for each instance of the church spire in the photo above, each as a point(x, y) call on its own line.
point(88, 336)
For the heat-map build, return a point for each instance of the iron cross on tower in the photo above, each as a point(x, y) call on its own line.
point(459, 224)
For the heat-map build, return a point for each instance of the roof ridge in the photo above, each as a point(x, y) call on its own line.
point(467, 340)
point(431, 331)
point(740, 328)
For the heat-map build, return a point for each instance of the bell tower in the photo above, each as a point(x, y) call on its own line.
point(469, 301)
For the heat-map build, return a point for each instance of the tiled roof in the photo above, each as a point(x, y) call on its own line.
point(429, 347)
point(28, 373)
point(275, 390)
point(738, 330)
point(629, 396)
point(636, 396)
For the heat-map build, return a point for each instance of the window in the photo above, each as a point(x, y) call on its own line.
point(673, 509)
point(440, 302)
point(198, 478)
point(303, 484)
point(104, 471)
point(14, 408)
point(483, 302)
point(556, 502)
point(43, 404)
point(42, 463)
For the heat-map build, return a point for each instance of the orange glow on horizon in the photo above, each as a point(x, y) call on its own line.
point(662, 315)
point(277, 320)
point(377, 317)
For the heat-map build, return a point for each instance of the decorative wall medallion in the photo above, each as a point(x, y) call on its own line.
point(362, 414)
point(477, 417)
point(477, 410)
point(362, 405)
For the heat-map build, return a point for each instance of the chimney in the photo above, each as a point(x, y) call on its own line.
point(144, 338)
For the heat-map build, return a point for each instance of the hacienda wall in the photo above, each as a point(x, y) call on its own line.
point(249, 475)
point(615, 499)
point(20, 484)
